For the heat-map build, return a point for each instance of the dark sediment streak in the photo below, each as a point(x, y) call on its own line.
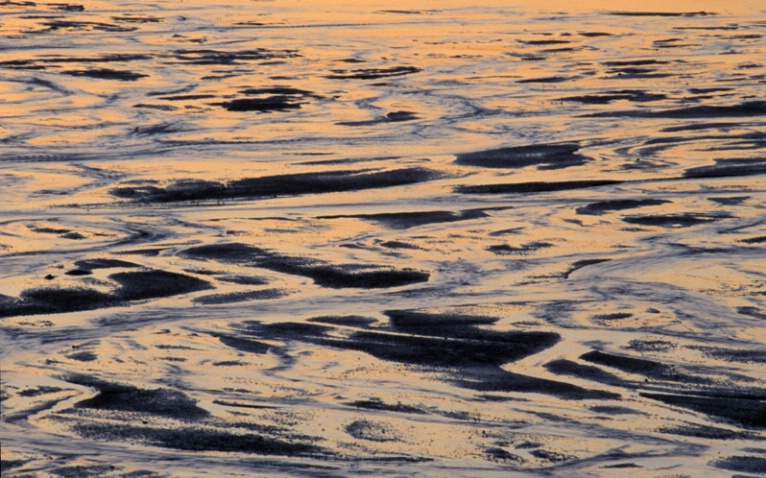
point(323, 274)
point(749, 412)
point(373, 73)
point(676, 220)
point(533, 187)
point(599, 208)
point(745, 109)
point(544, 156)
point(405, 220)
point(274, 186)
point(118, 397)
point(138, 285)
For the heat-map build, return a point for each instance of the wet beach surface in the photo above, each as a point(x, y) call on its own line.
point(376, 240)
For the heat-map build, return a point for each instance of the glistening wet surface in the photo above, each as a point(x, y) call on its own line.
point(383, 239)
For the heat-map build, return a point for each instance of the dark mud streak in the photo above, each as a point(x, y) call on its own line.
point(637, 96)
point(545, 157)
point(745, 109)
point(323, 274)
point(275, 186)
point(117, 397)
point(725, 168)
point(234, 297)
point(603, 207)
point(748, 412)
point(197, 439)
point(406, 220)
point(450, 344)
point(107, 74)
point(534, 187)
point(676, 220)
point(662, 14)
point(140, 285)
point(373, 73)
point(746, 464)
point(526, 248)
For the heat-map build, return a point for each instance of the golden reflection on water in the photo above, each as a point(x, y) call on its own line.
point(320, 225)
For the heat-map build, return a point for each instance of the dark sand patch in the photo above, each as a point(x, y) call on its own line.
point(701, 126)
point(72, 26)
point(600, 208)
point(533, 187)
point(607, 319)
point(729, 201)
point(405, 220)
point(637, 96)
point(415, 321)
point(326, 182)
point(101, 263)
point(275, 186)
point(732, 355)
point(724, 168)
point(233, 297)
point(552, 456)
point(37, 391)
point(376, 404)
point(676, 220)
point(85, 471)
point(753, 312)
point(745, 109)
point(399, 245)
point(494, 379)
point(547, 79)
point(269, 103)
point(197, 439)
point(126, 398)
point(372, 73)
point(661, 14)
point(373, 431)
point(323, 274)
point(245, 345)
point(753, 240)
point(501, 455)
point(587, 372)
point(651, 345)
point(526, 248)
point(467, 346)
point(452, 345)
point(344, 320)
point(83, 356)
point(747, 464)
point(106, 74)
point(615, 410)
point(134, 286)
point(244, 280)
point(7, 465)
point(707, 431)
point(50, 300)
point(154, 284)
point(581, 264)
point(645, 368)
point(544, 156)
point(741, 410)
point(221, 57)
point(78, 272)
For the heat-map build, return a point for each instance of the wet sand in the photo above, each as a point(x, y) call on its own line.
point(382, 239)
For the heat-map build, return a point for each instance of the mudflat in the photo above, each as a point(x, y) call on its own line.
point(504, 238)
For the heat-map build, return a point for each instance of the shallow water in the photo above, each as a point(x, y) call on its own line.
point(383, 239)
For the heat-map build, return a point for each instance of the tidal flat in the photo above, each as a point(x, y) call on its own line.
point(349, 239)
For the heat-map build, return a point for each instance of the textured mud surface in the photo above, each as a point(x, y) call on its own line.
point(382, 239)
